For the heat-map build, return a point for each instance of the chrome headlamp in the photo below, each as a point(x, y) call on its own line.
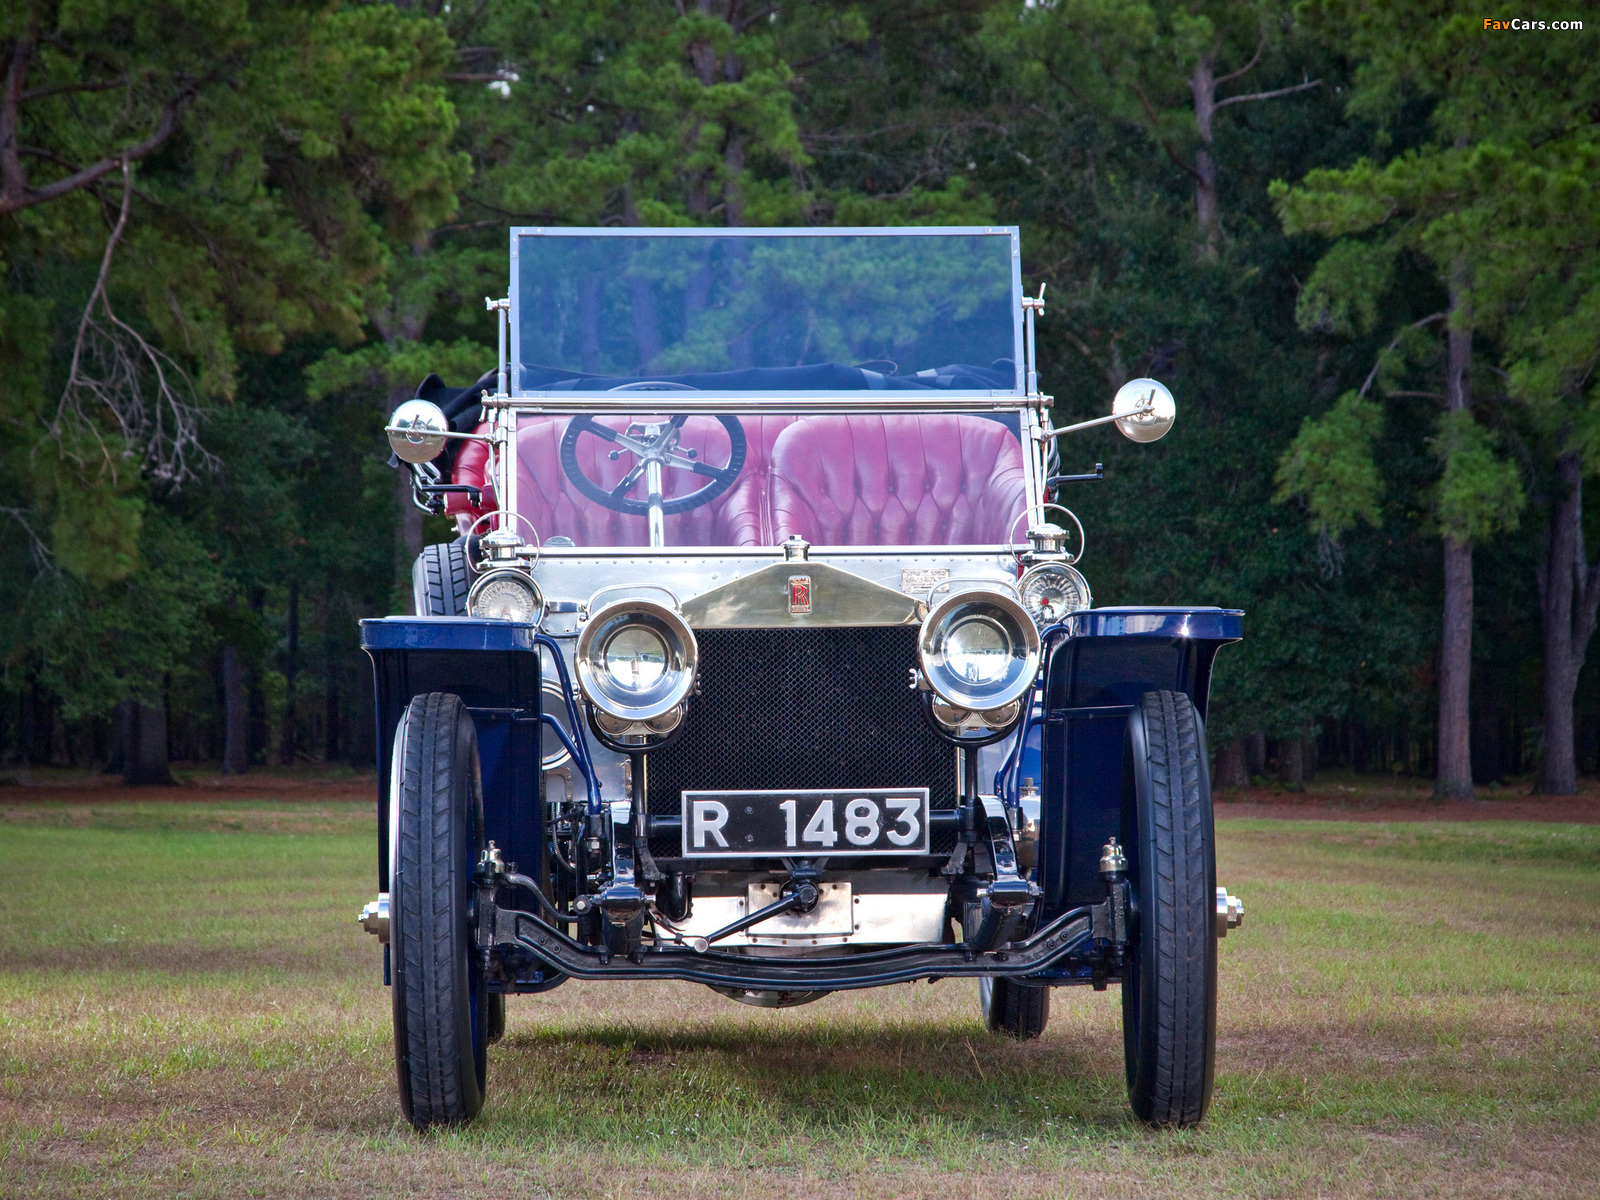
point(1051, 590)
point(979, 650)
point(506, 595)
point(636, 660)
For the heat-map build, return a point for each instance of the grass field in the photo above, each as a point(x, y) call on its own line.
point(187, 1007)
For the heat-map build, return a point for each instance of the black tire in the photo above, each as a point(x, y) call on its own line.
point(1169, 987)
point(1013, 1010)
point(440, 580)
point(441, 1007)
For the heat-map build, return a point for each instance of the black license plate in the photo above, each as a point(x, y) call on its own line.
point(805, 824)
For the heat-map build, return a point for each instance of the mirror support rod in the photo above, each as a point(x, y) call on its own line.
point(441, 433)
point(1044, 435)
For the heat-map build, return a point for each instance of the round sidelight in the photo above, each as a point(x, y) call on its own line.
point(1144, 410)
point(416, 431)
point(979, 650)
point(1051, 590)
point(506, 595)
point(636, 661)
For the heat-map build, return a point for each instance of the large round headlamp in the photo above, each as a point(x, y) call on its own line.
point(636, 659)
point(979, 650)
point(506, 595)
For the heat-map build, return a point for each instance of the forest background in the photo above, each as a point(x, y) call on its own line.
point(1360, 242)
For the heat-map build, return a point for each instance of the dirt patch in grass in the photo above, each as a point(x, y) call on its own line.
point(1378, 798)
point(199, 784)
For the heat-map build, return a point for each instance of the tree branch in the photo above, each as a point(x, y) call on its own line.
point(1254, 58)
point(744, 23)
point(14, 198)
point(1373, 374)
point(40, 93)
point(18, 56)
point(1155, 132)
point(1299, 87)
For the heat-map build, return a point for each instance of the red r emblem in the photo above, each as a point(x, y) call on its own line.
point(799, 595)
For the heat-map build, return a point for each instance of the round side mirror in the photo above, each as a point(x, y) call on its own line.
point(1144, 410)
point(416, 429)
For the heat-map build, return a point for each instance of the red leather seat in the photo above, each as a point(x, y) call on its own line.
point(846, 480)
point(920, 479)
point(738, 517)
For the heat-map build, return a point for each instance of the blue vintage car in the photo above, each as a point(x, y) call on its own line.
point(762, 661)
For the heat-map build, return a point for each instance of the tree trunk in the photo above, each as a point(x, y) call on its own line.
point(35, 750)
point(1569, 600)
point(330, 677)
point(1203, 85)
point(146, 763)
point(1308, 755)
point(256, 732)
point(1256, 753)
point(1454, 777)
point(235, 753)
point(122, 727)
point(1291, 763)
point(287, 741)
point(1231, 769)
point(733, 192)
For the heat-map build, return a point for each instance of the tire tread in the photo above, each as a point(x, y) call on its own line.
point(438, 1086)
point(1017, 1011)
point(1177, 1088)
point(440, 580)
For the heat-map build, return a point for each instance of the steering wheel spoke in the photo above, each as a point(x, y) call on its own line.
point(721, 474)
point(660, 445)
point(628, 480)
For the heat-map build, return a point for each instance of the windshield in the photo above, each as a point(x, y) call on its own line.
point(778, 311)
point(834, 479)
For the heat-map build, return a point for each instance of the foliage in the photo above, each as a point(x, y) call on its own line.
point(1479, 493)
point(232, 173)
point(317, 225)
point(1329, 463)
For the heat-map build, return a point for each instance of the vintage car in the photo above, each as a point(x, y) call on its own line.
point(762, 661)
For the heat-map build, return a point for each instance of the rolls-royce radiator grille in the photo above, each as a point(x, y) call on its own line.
point(803, 708)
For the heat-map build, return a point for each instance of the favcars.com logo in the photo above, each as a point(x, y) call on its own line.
point(1519, 26)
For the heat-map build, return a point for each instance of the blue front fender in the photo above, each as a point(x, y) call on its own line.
point(494, 666)
point(1093, 678)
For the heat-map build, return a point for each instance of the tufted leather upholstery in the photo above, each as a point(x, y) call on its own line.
point(738, 517)
point(856, 480)
point(863, 480)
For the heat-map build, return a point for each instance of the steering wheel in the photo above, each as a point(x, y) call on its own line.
point(652, 446)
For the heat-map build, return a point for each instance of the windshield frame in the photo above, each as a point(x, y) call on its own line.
point(933, 398)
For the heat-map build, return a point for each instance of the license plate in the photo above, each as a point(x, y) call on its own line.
point(805, 824)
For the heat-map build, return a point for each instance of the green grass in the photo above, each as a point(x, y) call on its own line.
point(187, 1007)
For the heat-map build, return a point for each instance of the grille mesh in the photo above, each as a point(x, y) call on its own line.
point(803, 708)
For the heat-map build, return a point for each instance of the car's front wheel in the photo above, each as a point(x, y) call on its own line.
point(1169, 986)
point(441, 1007)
